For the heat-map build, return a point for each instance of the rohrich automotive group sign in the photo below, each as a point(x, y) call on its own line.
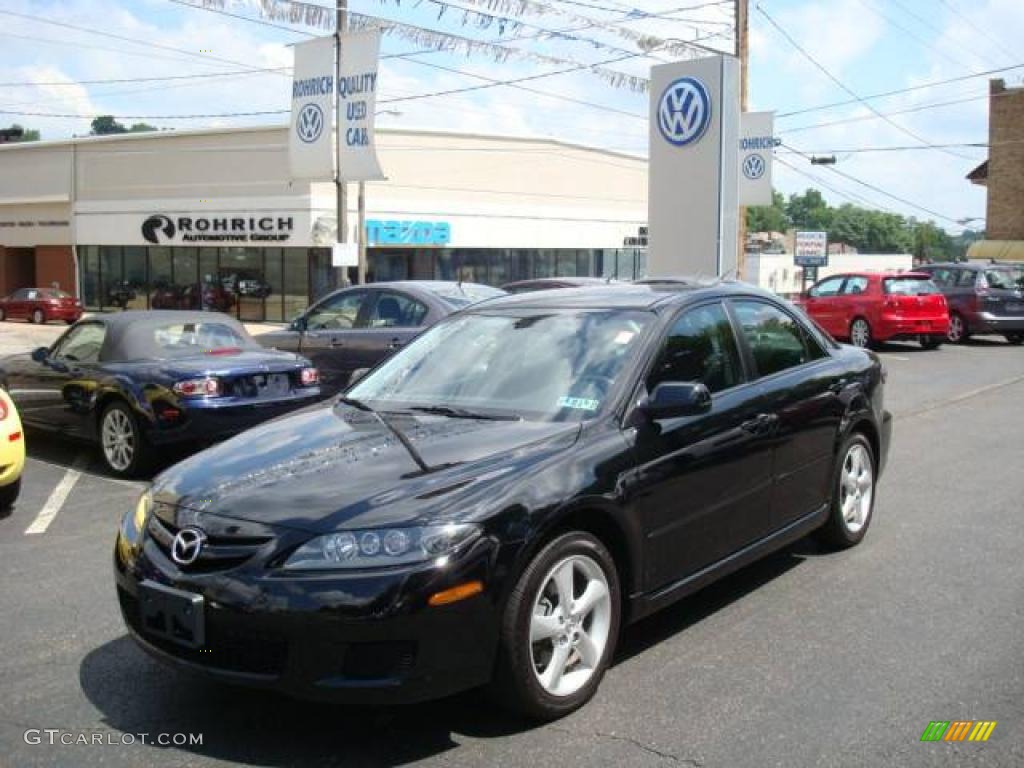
point(161, 229)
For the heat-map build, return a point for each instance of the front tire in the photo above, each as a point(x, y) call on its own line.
point(559, 628)
point(1013, 338)
point(3, 314)
point(860, 333)
point(38, 317)
point(853, 494)
point(930, 342)
point(957, 333)
point(122, 444)
point(9, 494)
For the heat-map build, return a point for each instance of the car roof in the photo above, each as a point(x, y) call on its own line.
point(650, 295)
point(566, 281)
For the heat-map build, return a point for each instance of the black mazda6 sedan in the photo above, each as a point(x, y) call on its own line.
point(492, 503)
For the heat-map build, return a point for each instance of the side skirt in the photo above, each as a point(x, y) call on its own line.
point(646, 604)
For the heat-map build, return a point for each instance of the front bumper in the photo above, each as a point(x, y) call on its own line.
point(361, 637)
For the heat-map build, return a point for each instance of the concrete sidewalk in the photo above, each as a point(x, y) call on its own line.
point(20, 336)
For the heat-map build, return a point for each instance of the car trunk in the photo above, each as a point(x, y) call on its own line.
point(242, 373)
point(1001, 292)
point(914, 298)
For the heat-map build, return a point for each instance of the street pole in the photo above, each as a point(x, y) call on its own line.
point(341, 198)
point(743, 54)
point(361, 237)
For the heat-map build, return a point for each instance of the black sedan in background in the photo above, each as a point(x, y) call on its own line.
point(494, 501)
point(133, 381)
point(355, 328)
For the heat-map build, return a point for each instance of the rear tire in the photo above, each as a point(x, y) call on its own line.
point(3, 315)
point(931, 342)
point(9, 494)
point(70, 322)
point(853, 494)
point(1013, 338)
point(559, 628)
point(38, 317)
point(860, 333)
point(122, 444)
point(957, 333)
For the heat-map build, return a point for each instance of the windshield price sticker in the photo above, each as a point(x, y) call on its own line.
point(579, 403)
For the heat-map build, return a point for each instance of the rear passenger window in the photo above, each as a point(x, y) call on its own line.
point(395, 310)
point(967, 278)
point(700, 347)
point(777, 341)
point(944, 277)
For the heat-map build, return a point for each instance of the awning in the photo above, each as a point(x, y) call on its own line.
point(1000, 250)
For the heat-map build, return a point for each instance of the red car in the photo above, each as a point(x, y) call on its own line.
point(40, 305)
point(869, 307)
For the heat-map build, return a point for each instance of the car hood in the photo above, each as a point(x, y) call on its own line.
point(330, 467)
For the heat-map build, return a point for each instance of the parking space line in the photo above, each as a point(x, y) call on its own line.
point(58, 497)
point(81, 471)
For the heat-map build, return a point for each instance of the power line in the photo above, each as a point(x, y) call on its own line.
point(874, 188)
point(850, 196)
point(841, 84)
point(112, 80)
point(978, 29)
point(898, 92)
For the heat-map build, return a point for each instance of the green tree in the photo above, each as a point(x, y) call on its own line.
point(931, 243)
point(142, 128)
point(106, 125)
point(27, 134)
point(769, 218)
point(809, 211)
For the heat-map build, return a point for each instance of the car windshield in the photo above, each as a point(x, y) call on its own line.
point(189, 339)
point(910, 286)
point(461, 295)
point(53, 293)
point(1006, 279)
point(532, 364)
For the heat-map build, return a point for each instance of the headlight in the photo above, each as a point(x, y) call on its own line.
point(383, 547)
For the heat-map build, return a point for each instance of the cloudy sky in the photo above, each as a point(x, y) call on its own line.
point(174, 60)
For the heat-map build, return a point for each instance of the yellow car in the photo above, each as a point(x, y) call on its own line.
point(12, 451)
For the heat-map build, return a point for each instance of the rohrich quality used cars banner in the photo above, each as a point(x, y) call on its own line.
point(357, 101)
point(310, 154)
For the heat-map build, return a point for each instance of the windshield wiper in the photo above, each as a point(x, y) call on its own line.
point(402, 437)
point(463, 413)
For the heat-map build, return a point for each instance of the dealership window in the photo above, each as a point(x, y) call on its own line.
point(90, 275)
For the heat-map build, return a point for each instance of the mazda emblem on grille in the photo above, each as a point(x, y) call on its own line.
point(186, 545)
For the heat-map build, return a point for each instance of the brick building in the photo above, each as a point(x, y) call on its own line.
point(1003, 175)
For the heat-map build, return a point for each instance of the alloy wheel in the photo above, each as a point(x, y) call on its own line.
point(857, 486)
point(570, 625)
point(860, 333)
point(956, 329)
point(118, 437)
point(38, 317)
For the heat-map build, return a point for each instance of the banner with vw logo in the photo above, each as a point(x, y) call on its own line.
point(756, 147)
point(310, 145)
point(692, 208)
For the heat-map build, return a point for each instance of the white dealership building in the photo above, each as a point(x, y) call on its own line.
point(159, 219)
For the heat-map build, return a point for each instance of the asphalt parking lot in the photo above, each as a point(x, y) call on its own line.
point(807, 658)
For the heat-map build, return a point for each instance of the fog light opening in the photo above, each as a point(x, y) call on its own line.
point(455, 594)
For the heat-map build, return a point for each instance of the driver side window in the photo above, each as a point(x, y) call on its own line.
point(337, 313)
point(700, 347)
point(82, 344)
point(828, 287)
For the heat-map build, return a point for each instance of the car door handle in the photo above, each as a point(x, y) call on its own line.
point(760, 425)
point(337, 342)
point(395, 343)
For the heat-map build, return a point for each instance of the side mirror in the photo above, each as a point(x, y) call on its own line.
point(300, 324)
point(40, 354)
point(357, 374)
point(677, 398)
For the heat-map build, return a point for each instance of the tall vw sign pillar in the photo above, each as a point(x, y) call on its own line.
point(693, 175)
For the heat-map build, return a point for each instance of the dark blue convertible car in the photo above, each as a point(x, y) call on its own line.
point(137, 380)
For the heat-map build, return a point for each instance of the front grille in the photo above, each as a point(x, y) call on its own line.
point(224, 650)
point(218, 553)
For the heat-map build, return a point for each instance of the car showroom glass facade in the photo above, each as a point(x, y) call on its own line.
point(276, 284)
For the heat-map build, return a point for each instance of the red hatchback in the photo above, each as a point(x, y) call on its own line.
point(40, 305)
point(868, 307)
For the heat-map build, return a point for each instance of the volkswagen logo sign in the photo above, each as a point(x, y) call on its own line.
point(684, 111)
point(186, 546)
point(754, 166)
point(310, 123)
point(156, 225)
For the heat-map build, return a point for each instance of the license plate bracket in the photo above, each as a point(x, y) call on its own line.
point(172, 614)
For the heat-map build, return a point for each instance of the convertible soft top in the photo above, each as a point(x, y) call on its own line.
point(132, 335)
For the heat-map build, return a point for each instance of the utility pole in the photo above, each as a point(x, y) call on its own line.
point(341, 24)
point(743, 54)
point(361, 237)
